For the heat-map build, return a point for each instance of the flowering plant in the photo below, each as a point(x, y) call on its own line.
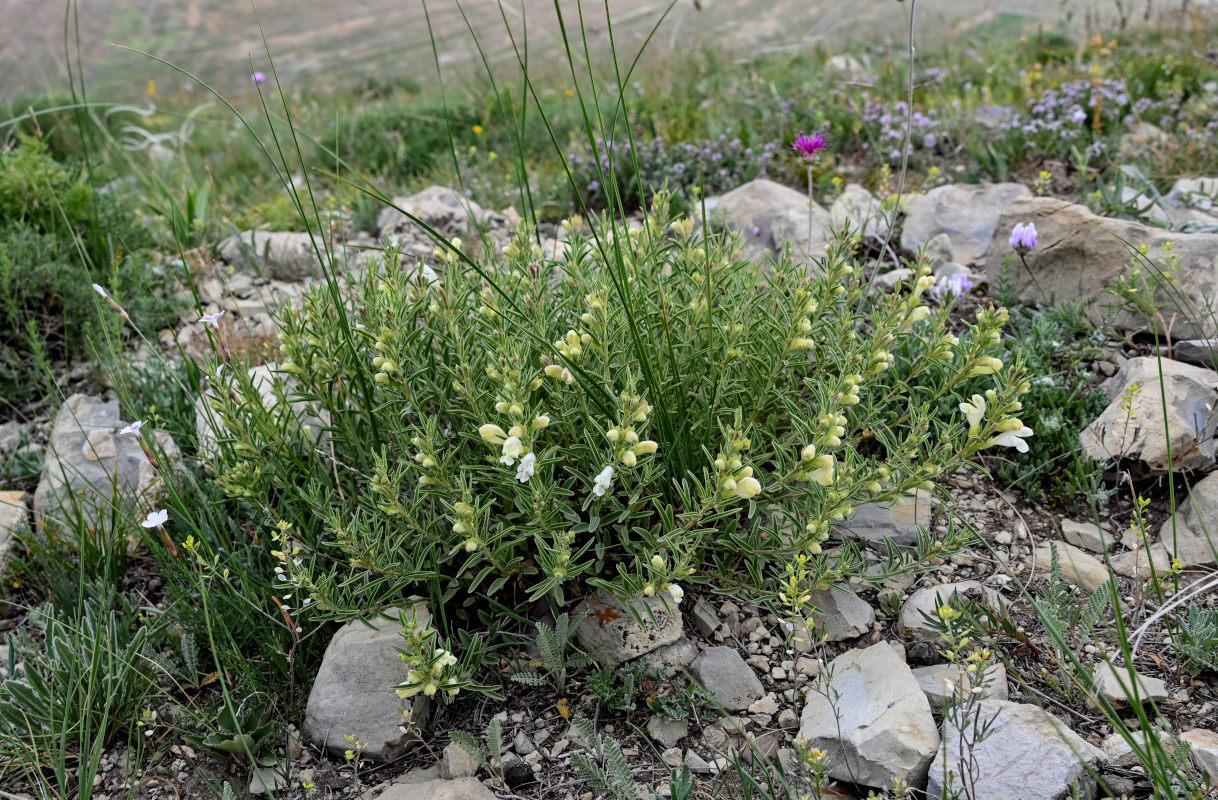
point(645, 410)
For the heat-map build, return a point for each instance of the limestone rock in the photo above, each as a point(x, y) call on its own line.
point(1140, 433)
point(1195, 193)
point(667, 731)
point(456, 762)
point(942, 682)
point(1201, 352)
point(770, 216)
point(287, 255)
point(850, 68)
point(268, 780)
point(460, 789)
point(723, 673)
point(1188, 535)
point(672, 659)
point(1086, 535)
point(1078, 567)
point(885, 722)
point(863, 211)
point(843, 614)
point(1028, 755)
point(353, 693)
point(89, 465)
point(14, 521)
point(1119, 753)
point(444, 210)
point(609, 631)
point(1081, 255)
point(1203, 746)
point(1114, 685)
point(1142, 562)
point(706, 620)
point(927, 600)
point(969, 214)
point(873, 522)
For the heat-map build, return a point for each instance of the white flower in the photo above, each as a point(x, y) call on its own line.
point(100, 291)
point(675, 591)
point(444, 658)
point(747, 487)
point(603, 481)
point(973, 412)
point(212, 319)
point(528, 465)
point(492, 434)
point(1013, 438)
point(134, 428)
point(513, 449)
point(156, 519)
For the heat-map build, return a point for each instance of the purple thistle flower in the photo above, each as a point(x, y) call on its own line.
point(1023, 237)
point(809, 146)
point(258, 78)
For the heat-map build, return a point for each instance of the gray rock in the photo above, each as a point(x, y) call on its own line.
point(1081, 255)
point(1028, 754)
point(969, 214)
point(1142, 562)
point(873, 522)
point(769, 217)
point(353, 693)
point(616, 637)
point(843, 614)
point(706, 620)
point(14, 521)
point(1189, 533)
point(522, 744)
point(1115, 685)
point(460, 789)
point(697, 764)
point(850, 68)
point(442, 209)
point(939, 251)
point(1118, 752)
point(928, 600)
point(1086, 535)
point(723, 673)
point(862, 210)
point(667, 731)
point(288, 255)
point(268, 780)
point(1201, 352)
point(457, 762)
point(1141, 139)
point(1141, 435)
point(671, 659)
point(89, 466)
point(1203, 747)
point(1078, 567)
point(943, 682)
point(993, 117)
point(1195, 193)
point(893, 278)
point(881, 728)
point(10, 436)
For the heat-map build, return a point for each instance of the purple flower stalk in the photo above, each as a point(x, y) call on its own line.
point(809, 146)
point(258, 78)
point(1023, 237)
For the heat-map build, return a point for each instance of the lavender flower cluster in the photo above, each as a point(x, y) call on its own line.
point(718, 165)
point(887, 127)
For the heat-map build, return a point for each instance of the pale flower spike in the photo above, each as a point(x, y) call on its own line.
point(133, 428)
point(212, 319)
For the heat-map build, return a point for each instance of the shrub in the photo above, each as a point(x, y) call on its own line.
point(58, 236)
point(646, 410)
point(398, 143)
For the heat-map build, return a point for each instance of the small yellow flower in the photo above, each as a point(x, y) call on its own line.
point(478, 129)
